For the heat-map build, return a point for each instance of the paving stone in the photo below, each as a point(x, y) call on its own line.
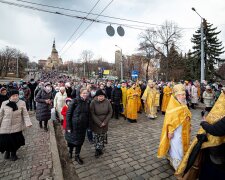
point(130, 153)
point(164, 175)
point(32, 156)
point(124, 177)
point(139, 171)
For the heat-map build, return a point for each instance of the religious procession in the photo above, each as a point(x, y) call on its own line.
point(85, 107)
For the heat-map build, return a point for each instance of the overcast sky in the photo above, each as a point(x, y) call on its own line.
point(33, 32)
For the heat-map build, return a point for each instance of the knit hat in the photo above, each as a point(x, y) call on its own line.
point(3, 89)
point(47, 84)
point(12, 92)
point(100, 92)
point(68, 99)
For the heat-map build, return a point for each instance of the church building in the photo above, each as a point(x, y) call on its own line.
point(53, 62)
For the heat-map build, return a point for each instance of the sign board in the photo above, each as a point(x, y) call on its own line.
point(106, 72)
point(134, 74)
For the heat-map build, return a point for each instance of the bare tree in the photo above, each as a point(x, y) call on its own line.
point(86, 56)
point(160, 41)
point(8, 61)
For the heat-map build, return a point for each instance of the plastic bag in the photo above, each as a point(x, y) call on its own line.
point(53, 114)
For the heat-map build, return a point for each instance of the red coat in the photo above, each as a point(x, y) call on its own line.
point(63, 112)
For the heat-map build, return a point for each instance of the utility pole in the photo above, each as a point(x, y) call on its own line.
point(84, 69)
point(121, 62)
point(202, 47)
point(17, 67)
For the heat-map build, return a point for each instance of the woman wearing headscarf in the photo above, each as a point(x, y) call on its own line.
point(101, 112)
point(77, 122)
point(13, 118)
point(59, 101)
point(44, 101)
point(3, 95)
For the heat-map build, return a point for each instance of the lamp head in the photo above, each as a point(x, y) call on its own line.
point(193, 9)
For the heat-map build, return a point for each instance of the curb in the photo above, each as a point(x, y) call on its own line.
point(57, 168)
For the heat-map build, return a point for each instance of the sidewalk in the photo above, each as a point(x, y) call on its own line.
point(35, 158)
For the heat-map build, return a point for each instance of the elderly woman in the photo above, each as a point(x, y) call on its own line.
point(44, 101)
point(209, 98)
point(13, 118)
point(77, 122)
point(60, 101)
point(101, 112)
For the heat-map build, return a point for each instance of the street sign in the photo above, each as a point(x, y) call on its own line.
point(134, 74)
point(110, 30)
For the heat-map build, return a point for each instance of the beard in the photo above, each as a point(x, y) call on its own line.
point(182, 101)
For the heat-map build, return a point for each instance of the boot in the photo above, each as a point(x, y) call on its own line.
point(97, 153)
point(71, 155)
point(100, 152)
point(7, 155)
point(78, 159)
point(46, 128)
point(40, 124)
point(13, 156)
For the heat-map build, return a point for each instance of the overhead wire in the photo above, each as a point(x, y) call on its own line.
point(81, 23)
point(87, 27)
point(69, 15)
point(100, 15)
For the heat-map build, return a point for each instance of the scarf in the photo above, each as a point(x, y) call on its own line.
point(13, 105)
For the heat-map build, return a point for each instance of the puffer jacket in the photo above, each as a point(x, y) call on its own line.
point(77, 120)
point(116, 96)
point(208, 99)
point(13, 121)
point(43, 110)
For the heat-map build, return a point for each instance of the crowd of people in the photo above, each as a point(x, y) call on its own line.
point(86, 107)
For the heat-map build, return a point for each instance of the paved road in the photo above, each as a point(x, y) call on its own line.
point(35, 159)
point(131, 152)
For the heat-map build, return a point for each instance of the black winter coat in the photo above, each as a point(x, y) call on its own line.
point(108, 91)
point(3, 98)
point(43, 110)
point(32, 88)
point(77, 120)
point(116, 96)
point(216, 129)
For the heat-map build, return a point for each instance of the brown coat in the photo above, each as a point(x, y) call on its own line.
point(13, 121)
point(100, 112)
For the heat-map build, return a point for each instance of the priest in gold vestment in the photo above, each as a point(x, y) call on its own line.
point(151, 100)
point(167, 91)
point(124, 97)
point(175, 137)
point(132, 103)
point(215, 141)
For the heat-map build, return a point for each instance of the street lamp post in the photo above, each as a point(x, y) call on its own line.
point(121, 62)
point(202, 47)
point(17, 67)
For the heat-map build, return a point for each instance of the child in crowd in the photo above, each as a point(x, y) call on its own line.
point(64, 111)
